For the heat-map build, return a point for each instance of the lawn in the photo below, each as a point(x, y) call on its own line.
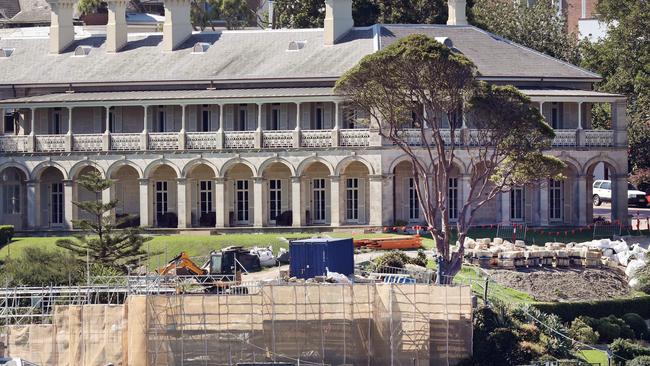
point(594, 356)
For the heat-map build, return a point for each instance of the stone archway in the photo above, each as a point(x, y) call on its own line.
point(126, 191)
point(239, 195)
point(13, 190)
point(200, 195)
point(163, 194)
point(53, 192)
point(277, 192)
point(355, 194)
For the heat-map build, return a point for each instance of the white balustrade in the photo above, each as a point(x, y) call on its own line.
point(446, 136)
point(201, 141)
point(564, 138)
point(87, 142)
point(278, 139)
point(125, 141)
point(50, 143)
point(239, 140)
point(163, 141)
point(599, 138)
point(13, 143)
point(316, 138)
point(412, 136)
point(354, 138)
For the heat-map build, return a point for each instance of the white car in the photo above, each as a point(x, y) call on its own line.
point(603, 193)
point(8, 361)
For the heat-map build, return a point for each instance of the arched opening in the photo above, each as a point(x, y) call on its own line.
point(316, 191)
point(277, 195)
point(355, 191)
point(163, 188)
point(14, 197)
point(563, 198)
point(602, 186)
point(126, 192)
point(405, 197)
point(81, 194)
point(201, 195)
point(239, 195)
point(52, 200)
point(491, 211)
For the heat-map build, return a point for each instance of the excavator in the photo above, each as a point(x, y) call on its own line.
point(220, 274)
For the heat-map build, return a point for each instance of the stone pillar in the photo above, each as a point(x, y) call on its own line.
point(337, 125)
point(296, 131)
point(258, 202)
point(376, 200)
point(581, 181)
point(505, 208)
point(543, 203)
point(144, 203)
point(33, 213)
point(68, 135)
point(335, 199)
point(220, 135)
point(67, 203)
point(183, 212)
point(31, 141)
point(258, 131)
point(220, 200)
point(619, 123)
point(106, 138)
point(145, 129)
point(388, 199)
point(181, 134)
point(296, 204)
point(619, 199)
point(465, 188)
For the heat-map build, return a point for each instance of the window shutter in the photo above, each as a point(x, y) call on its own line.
point(328, 201)
point(305, 111)
point(528, 204)
point(363, 182)
point(567, 196)
point(265, 113)
point(328, 122)
point(117, 119)
point(251, 117)
point(251, 202)
point(284, 117)
point(285, 194)
point(229, 117)
point(98, 118)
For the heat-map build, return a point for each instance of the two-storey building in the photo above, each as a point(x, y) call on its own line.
point(242, 128)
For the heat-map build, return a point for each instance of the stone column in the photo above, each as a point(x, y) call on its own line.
point(181, 195)
point(619, 199)
point(258, 136)
point(583, 201)
point(465, 188)
point(388, 204)
point(33, 213)
point(505, 208)
point(296, 131)
point(67, 203)
point(337, 125)
point(296, 204)
point(145, 129)
point(619, 123)
point(335, 199)
point(31, 141)
point(376, 201)
point(580, 132)
point(68, 135)
point(106, 138)
point(543, 203)
point(144, 203)
point(220, 201)
point(220, 133)
point(107, 196)
point(258, 201)
point(181, 134)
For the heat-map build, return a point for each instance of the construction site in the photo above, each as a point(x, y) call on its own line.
point(186, 315)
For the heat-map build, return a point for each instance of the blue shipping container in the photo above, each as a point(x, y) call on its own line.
point(312, 257)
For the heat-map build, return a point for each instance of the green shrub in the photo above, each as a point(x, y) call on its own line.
point(6, 234)
point(628, 349)
point(618, 307)
point(611, 327)
point(638, 325)
point(528, 332)
point(398, 259)
point(639, 361)
point(583, 332)
point(40, 267)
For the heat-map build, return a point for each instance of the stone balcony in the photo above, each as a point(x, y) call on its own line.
point(242, 140)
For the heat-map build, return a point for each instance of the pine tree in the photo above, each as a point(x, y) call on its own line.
point(100, 242)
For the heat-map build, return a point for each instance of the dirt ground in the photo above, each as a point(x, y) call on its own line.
point(565, 284)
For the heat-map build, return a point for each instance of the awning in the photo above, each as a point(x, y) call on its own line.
point(571, 95)
point(266, 95)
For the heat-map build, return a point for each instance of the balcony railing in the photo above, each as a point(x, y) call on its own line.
point(350, 138)
point(87, 142)
point(412, 136)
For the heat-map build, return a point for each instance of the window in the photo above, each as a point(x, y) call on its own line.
point(555, 196)
point(452, 199)
point(161, 119)
point(597, 184)
point(55, 122)
point(352, 199)
point(161, 200)
point(414, 204)
point(205, 119)
point(318, 188)
point(275, 117)
point(111, 120)
point(243, 114)
point(275, 199)
point(606, 185)
point(517, 198)
point(241, 201)
point(556, 115)
point(56, 203)
point(11, 198)
point(9, 125)
point(205, 197)
point(320, 116)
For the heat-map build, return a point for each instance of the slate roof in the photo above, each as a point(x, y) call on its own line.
point(9, 8)
point(259, 55)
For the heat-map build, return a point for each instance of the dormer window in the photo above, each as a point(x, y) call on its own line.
point(82, 51)
point(200, 47)
point(6, 52)
point(296, 45)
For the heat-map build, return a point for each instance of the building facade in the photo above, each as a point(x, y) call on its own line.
point(242, 128)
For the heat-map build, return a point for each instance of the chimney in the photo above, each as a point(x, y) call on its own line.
point(457, 12)
point(177, 27)
point(338, 20)
point(61, 27)
point(116, 33)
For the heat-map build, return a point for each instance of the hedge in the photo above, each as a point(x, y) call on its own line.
point(568, 311)
point(6, 234)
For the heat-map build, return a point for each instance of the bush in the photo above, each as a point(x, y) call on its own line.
point(639, 361)
point(583, 332)
point(612, 327)
point(127, 221)
point(6, 234)
point(641, 179)
point(618, 307)
point(638, 325)
point(628, 349)
point(528, 332)
point(398, 259)
point(39, 267)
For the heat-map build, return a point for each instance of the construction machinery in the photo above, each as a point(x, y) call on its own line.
point(220, 273)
